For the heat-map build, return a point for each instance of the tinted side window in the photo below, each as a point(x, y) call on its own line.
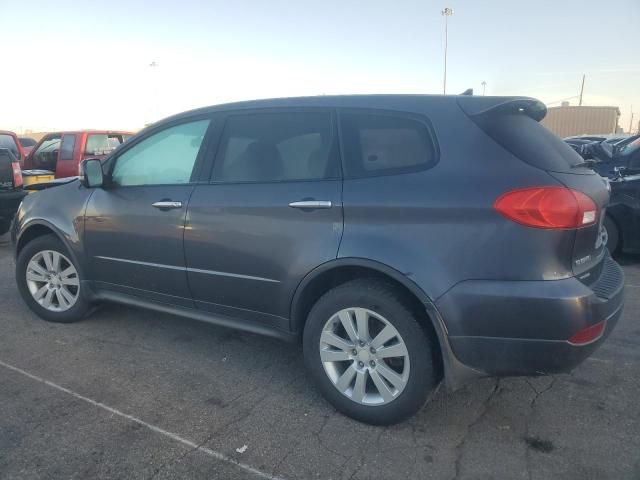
point(382, 144)
point(268, 147)
point(164, 158)
point(67, 146)
point(7, 141)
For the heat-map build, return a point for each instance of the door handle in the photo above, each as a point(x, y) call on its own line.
point(311, 204)
point(167, 205)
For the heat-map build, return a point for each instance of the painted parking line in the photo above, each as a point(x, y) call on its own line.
point(175, 437)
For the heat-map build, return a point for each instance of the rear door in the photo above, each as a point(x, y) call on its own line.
point(271, 213)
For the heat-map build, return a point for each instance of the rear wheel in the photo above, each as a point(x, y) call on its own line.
point(49, 281)
point(613, 235)
point(368, 354)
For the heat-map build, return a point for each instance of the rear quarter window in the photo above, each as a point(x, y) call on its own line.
point(385, 144)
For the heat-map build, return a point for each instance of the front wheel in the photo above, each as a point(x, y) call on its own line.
point(5, 225)
point(367, 353)
point(49, 281)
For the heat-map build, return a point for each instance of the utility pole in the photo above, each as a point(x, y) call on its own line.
point(156, 88)
point(631, 121)
point(581, 90)
point(446, 13)
point(484, 87)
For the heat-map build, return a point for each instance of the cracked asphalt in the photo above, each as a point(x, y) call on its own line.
point(220, 390)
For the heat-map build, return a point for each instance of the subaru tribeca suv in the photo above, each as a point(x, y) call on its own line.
point(405, 239)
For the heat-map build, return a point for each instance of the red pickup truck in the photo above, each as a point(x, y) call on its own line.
point(9, 140)
point(62, 152)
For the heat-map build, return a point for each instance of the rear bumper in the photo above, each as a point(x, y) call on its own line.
point(522, 327)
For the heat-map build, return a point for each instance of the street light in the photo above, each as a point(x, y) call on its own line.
point(484, 87)
point(156, 89)
point(446, 13)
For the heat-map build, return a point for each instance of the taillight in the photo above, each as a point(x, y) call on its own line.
point(17, 174)
point(548, 207)
point(589, 334)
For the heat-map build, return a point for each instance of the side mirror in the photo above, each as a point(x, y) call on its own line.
point(91, 175)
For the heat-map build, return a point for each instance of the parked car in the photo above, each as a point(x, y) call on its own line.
point(27, 144)
point(11, 192)
point(404, 239)
point(622, 222)
point(62, 152)
point(607, 159)
point(586, 146)
point(9, 140)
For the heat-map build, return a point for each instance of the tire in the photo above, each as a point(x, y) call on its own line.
point(613, 235)
point(5, 225)
point(381, 303)
point(61, 308)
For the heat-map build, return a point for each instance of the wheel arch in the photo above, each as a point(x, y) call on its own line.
point(39, 228)
point(336, 272)
point(35, 229)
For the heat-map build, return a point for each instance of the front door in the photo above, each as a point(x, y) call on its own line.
point(134, 227)
point(272, 213)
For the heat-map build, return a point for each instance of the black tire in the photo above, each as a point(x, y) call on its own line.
point(384, 300)
point(5, 225)
point(48, 242)
point(613, 235)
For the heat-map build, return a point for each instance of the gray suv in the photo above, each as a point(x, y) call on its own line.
point(405, 239)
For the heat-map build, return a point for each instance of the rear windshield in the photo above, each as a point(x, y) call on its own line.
point(102, 144)
point(7, 141)
point(27, 142)
point(529, 141)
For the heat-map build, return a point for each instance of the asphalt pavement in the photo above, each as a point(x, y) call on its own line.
point(129, 393)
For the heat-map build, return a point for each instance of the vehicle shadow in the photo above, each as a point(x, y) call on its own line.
point(627, 259)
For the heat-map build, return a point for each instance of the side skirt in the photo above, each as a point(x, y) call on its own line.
point(191, 313)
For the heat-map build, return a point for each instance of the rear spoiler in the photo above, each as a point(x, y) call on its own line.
point(34, 187)
point(481, 106)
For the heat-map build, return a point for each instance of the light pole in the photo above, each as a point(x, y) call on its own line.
point(446, 13)
point(484, 87)
point(156, 89)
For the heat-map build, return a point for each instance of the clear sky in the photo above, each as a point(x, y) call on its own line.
point(85, 64)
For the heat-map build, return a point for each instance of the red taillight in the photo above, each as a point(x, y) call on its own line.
point(548, 207)
point(589, 334)
point(17, 174)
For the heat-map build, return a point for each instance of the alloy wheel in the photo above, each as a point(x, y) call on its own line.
point(53, 281)
point(364, 356)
